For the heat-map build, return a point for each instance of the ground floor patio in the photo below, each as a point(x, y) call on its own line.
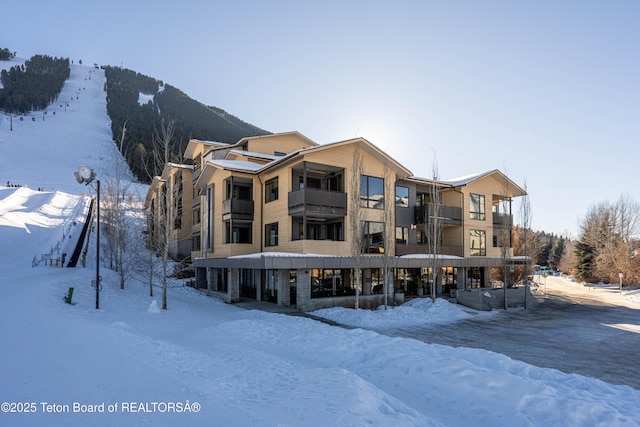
point(311, 282)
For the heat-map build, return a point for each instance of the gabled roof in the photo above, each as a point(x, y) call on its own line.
point(511, 188)
point(170, 166)
point(193, 144)
point(372, 150)
point(253, 154)
point(233, 165)
point(277, 135)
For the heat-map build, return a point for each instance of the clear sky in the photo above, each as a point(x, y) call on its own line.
point(546, 91)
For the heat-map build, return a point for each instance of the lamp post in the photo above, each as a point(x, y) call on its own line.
point(620, 275)
point(86, 175)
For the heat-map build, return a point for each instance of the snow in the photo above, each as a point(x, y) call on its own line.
point(280, 255)
point(144, 98)
point(241, 165)
point(203, 362)
point(416, 312)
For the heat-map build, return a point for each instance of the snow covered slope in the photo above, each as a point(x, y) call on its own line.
point(46, 147)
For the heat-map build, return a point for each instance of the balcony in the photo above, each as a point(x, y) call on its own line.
point(448, 215)
point(501, 220)
point(237, 209)
point(316, 202)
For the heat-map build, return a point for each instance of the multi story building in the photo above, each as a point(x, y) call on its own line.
point(169, 214)
point(282, 219)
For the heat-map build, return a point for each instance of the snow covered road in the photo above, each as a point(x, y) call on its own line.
point(574, 329)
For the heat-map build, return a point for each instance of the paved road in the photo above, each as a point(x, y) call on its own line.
point(595, 333)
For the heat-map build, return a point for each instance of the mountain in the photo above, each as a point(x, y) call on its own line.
point(141, 103)
point(144, 104)
point(42, 149)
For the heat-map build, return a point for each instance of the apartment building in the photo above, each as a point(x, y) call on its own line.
point(279, 218)
point(169, 211)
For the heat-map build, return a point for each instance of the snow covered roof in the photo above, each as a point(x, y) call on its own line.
point(180, 165)
point(280, 255)
point(240, 165)
point(464, 180)
point(255, 154)
point(429, 256)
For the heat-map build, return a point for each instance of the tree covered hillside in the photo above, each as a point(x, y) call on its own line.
point(142, 104)
point(34, 85)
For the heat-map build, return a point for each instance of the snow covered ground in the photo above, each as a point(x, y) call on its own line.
point(203, 362)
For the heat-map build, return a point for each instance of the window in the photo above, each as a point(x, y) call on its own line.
point(477, 207)
point(475, 277)
point(373, 238)
point(196, 215)
point(423, 199)
point(334, 231)
point(177, 200)
point(238, 191)
point(402, 235)
point(237, 232)
point(371, 192)
point(334, 183)
point(478, 243)
point(271, 190)
point(271, 234)
point(312, 182)
point(195, 242)
point(317, 230)
point(330, 283)
point(402, 197)
point(279, 153)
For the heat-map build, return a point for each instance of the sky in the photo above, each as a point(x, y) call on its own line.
point(548, 92)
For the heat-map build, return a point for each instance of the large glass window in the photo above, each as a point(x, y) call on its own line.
point(449, 279)
point(330, 282)
point(373, 237)
point(475, 277)
point(478, 243)
point(271, 190)
point(238, 191)
point(476, 206)
point(423, 199)
point(402, 235)
point(371, 192)
point(237, 232)
point(402, 197)
point(271, 234)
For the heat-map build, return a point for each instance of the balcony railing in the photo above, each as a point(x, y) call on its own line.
point(448, 215)
point(502, 220)
point(237, 209)
point(318, 202)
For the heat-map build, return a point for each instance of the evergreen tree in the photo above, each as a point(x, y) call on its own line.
point(585, 255)
point(556, 252)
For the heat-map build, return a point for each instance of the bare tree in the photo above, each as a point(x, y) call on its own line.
point(504, 236)
point(433, 228)
point(568, 259)
point(356, 221)
point(605, 246)
point(388, 219)
point(115, 215)
point(160, 219)
point(525, 210)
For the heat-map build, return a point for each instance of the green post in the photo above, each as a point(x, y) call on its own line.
point(68, 296)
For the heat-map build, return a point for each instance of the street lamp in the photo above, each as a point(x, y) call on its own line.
point(86, 175)
point(620, 275)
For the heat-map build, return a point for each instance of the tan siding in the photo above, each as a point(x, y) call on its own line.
point(282, 143)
